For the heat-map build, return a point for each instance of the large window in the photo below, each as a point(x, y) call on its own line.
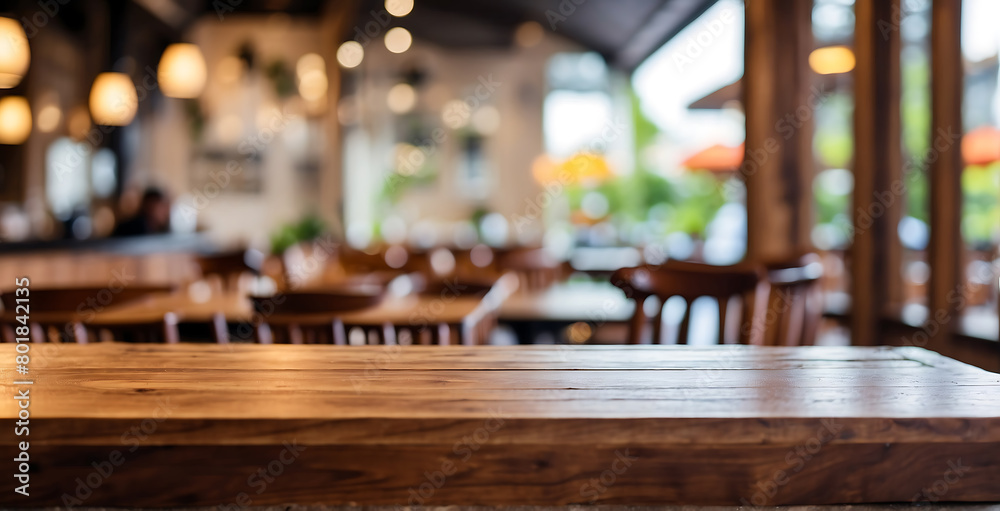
point(832, 62)
point(981, 160)
point(915, 110)
point(689, 133)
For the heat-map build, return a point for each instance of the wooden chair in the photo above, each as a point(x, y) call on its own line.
point(309, 317)
point(534, 267)
point(795, 305)
point(691, 281)
point(229, 266)
point(70, 315)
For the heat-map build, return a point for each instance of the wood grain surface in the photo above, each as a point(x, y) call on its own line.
point(522, 425)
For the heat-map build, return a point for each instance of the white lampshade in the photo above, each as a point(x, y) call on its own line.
point(182, 71)
point(113, 99)
point(14, 53)
point(15, 120)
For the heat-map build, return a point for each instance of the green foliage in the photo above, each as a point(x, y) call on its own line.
point(834, 142)
point(917, 195)
point(282, 78)
point(643, 129)
point(700, 197)
point(915, 109)
point(980, 204)
point(308, 228)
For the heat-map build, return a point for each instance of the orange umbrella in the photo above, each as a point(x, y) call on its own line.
point(580, 168)
point(717, 158)
point(981, 146)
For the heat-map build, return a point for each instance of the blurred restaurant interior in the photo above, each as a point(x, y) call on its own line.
point(333, 143)
point(576, 174)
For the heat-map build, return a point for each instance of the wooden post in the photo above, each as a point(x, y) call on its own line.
point(780, 107)
point(946, 247)
point(879, 189)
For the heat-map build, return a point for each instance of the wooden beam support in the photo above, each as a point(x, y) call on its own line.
point(879, 189)
point(780, 106)
point(946, 247)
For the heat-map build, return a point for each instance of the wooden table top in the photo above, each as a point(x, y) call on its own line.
point(251, 382)
point(705, 423)
point(238, 309)
point(570, 302)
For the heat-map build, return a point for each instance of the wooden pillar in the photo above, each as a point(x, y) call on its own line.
point(780, 107)
point(879, 189)
point(338, 22)
point(946, 247)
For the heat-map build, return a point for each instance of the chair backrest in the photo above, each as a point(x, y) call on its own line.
point(534, 267)
point(795, 305)
point(230, 265)
point(691, 281)
point(73, 299)
point(309, 317)
point(67, 314)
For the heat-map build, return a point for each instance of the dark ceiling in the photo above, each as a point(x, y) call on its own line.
point(625, 32)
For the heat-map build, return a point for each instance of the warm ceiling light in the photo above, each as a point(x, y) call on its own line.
point(402, 98)
point(313, 85)
point(48, 118)
point(398, 40)
point(831, 60)
point(529, 34)
point(309, 62)
point(14, 53)
point(399, 8)
point(350, 54)
point(15, 120)
point(182, 71)
point(113, 99)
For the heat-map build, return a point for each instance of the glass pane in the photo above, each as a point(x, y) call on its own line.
point(915, 109)
point(981, 175)
point(832, 62)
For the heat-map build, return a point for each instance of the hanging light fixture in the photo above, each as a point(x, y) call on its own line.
point(113, 99)
point(182, 71)
point(350, 54)
point(398, 40)
point(15, 120)
point(14, 53)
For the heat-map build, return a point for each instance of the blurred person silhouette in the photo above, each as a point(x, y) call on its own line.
point(153, 216)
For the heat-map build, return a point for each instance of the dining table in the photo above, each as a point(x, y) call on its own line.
point(550, 310)
point(460, 318)
point(186, 425)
